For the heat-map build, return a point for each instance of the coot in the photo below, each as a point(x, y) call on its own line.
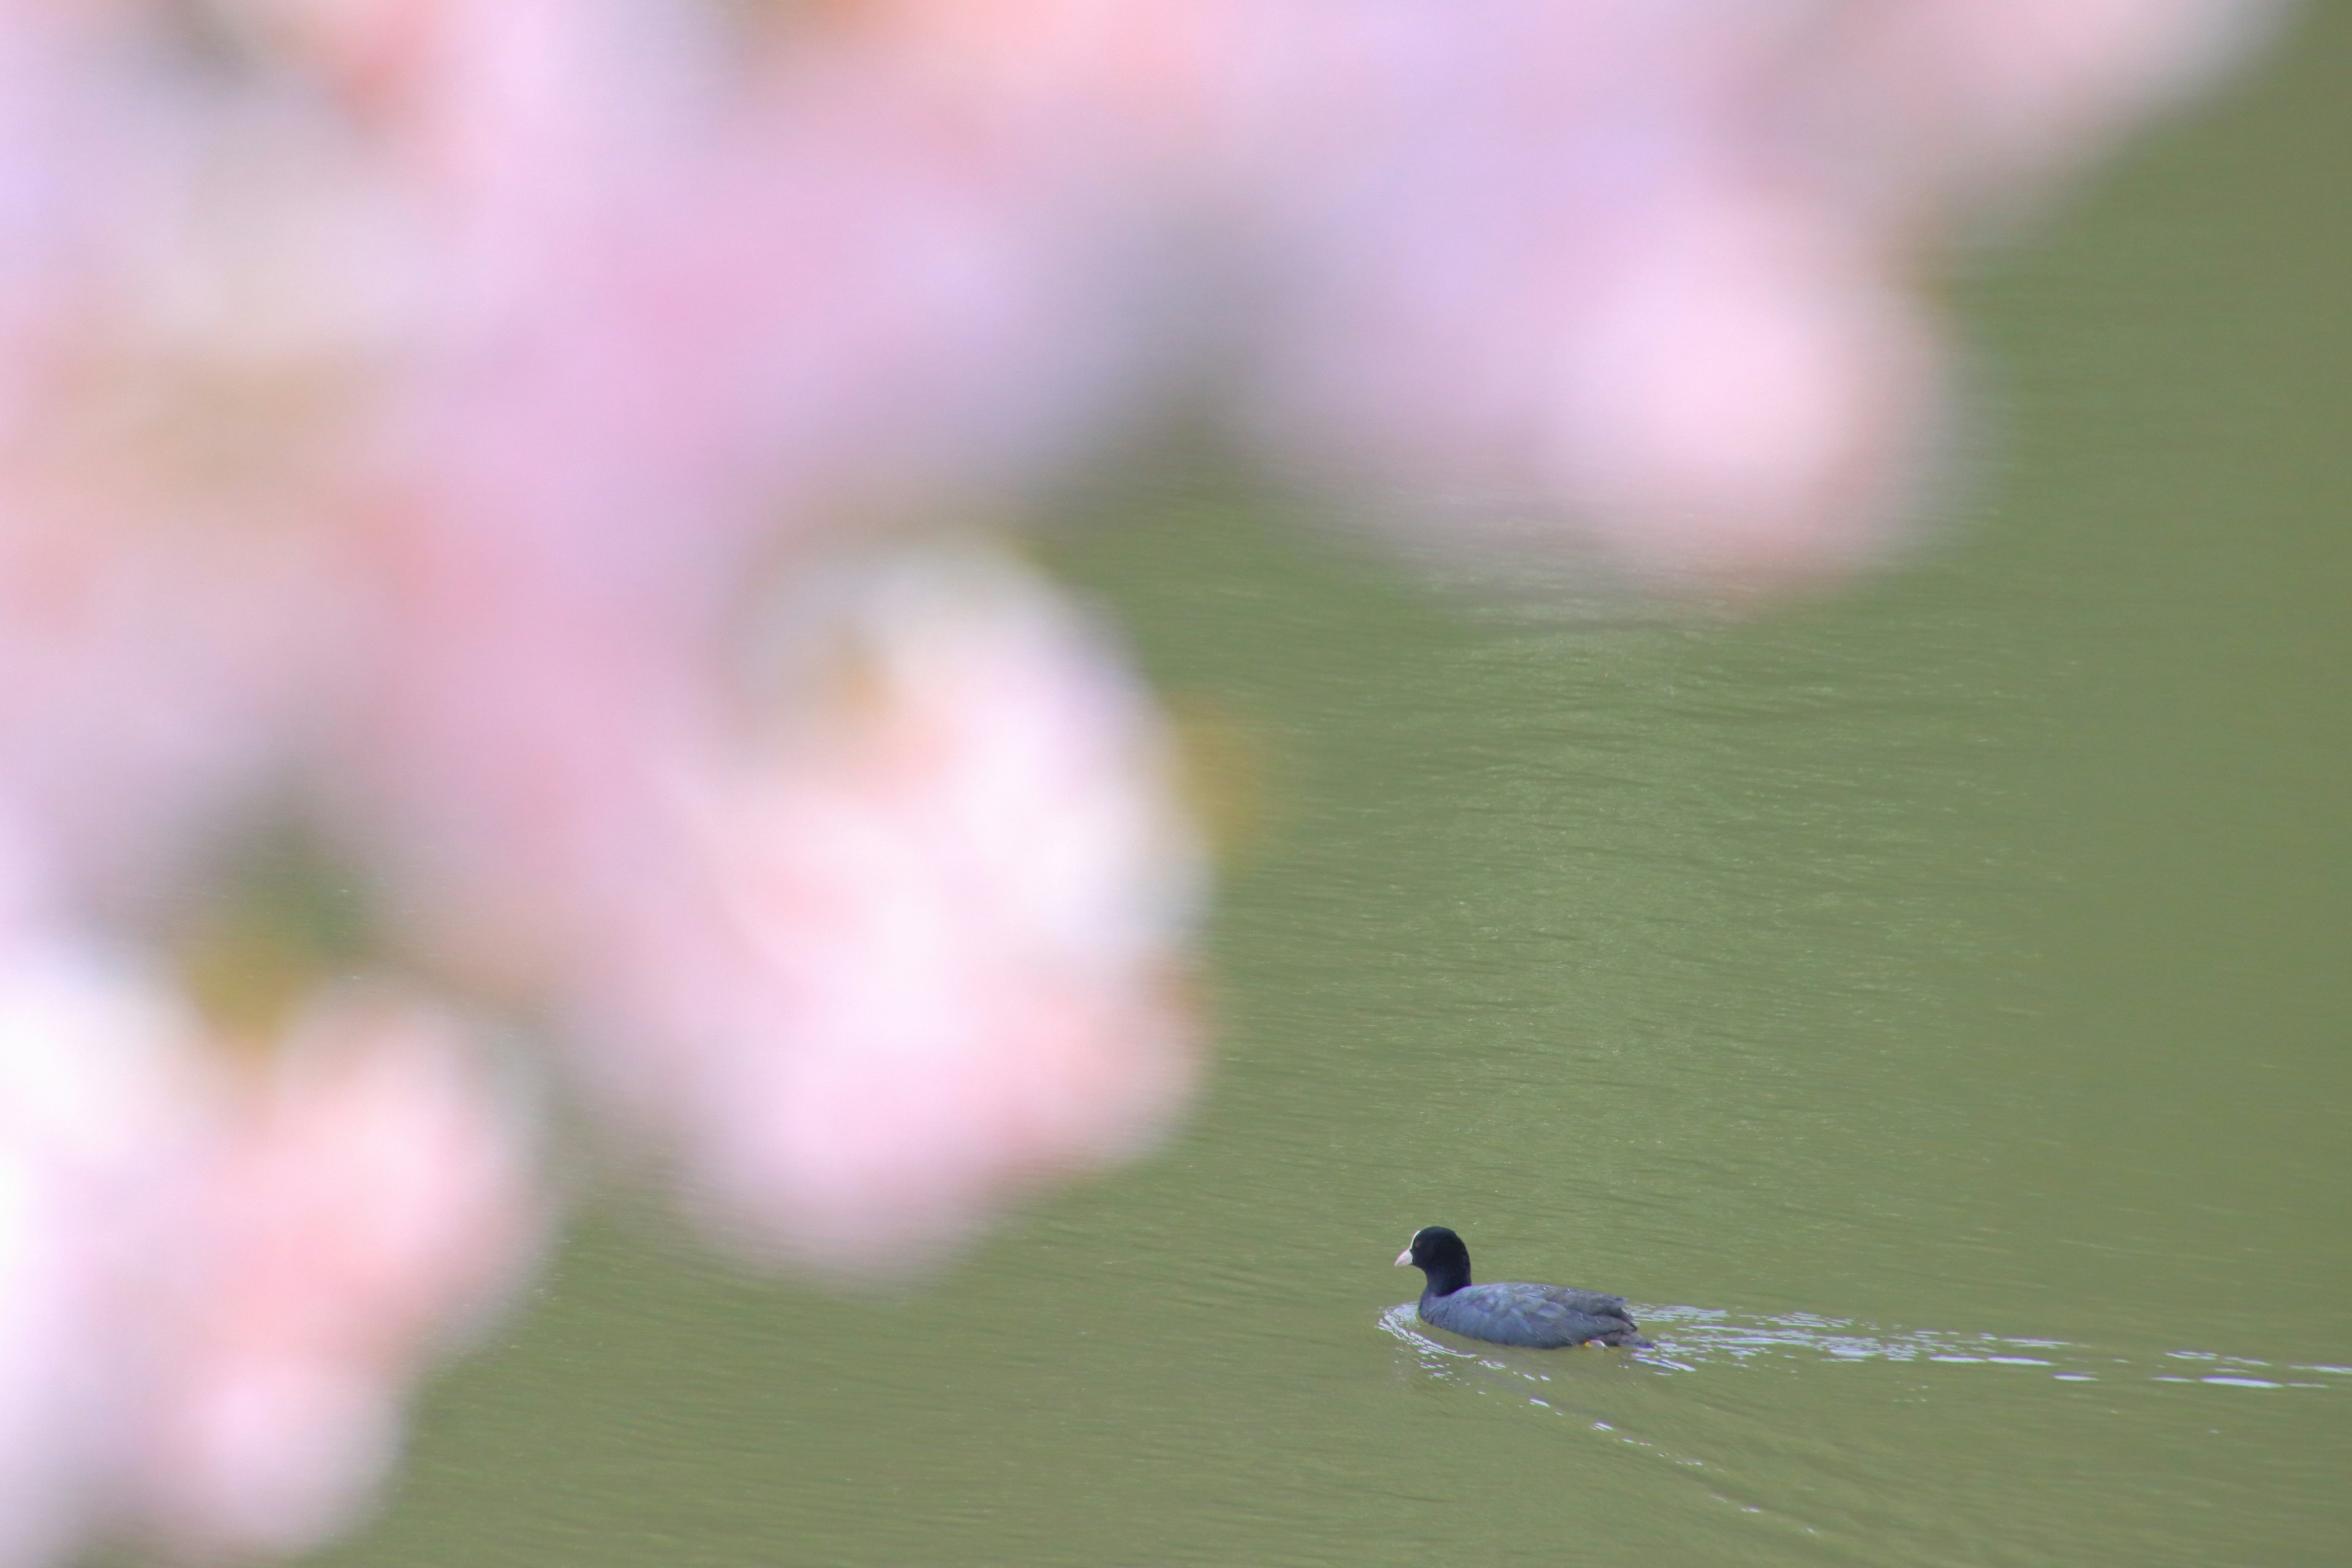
point(1544, 1316)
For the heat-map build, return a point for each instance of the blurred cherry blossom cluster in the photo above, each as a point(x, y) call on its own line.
point(496, 503)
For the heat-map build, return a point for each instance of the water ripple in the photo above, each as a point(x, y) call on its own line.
point(1692, 1338)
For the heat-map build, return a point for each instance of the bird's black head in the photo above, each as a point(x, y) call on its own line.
point(1438, 1253)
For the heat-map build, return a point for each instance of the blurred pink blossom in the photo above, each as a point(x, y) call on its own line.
point(1633, 278)
point(367, 1196)
point(222, 1275)
point(509, 442)
point(923, 940)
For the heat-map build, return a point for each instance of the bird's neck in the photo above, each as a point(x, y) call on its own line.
point(1444, 1281)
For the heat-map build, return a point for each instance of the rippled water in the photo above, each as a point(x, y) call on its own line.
point(1693, 1339)
point(1743, 1471)
point(1945, 982)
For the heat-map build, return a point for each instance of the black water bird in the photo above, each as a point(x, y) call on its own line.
point(1542, 1316)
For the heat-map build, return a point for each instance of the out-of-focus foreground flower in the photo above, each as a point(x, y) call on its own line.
point(500, 448)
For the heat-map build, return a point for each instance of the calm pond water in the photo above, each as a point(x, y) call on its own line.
point(1930, 1005)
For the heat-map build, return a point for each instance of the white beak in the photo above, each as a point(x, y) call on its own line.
point(1404, 1258)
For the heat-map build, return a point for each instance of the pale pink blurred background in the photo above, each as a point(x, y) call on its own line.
point(551, 458)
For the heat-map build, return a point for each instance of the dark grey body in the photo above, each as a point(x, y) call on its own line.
point(1543, 1316)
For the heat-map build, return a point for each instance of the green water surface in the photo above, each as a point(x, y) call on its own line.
point(1931, 1006)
